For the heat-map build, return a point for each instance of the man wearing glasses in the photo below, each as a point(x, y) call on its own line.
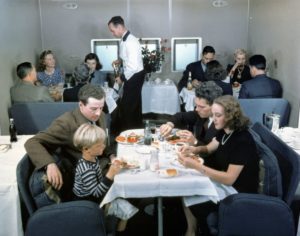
point(59, 135)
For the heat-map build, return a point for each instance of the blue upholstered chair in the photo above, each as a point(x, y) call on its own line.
point(63, 219)
point(255, 108)
point(262, 214)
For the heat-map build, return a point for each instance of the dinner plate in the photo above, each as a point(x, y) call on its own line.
point(123, 140)
point(139, 132)
point(175, 161)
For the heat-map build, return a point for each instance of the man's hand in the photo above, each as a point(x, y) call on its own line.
point(54, 176)
point(196, 83)
point(187, 135)
point(165, 129)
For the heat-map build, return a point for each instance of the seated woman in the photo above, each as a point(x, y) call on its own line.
point(216, 72)
point(235, 160)
point(97, 77)
point(239, 72)
point(48, 74)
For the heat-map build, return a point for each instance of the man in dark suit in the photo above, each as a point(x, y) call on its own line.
point(197, 68)
point(198, 123)
point(261, 86)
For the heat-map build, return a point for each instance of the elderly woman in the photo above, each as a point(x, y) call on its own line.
point(239, 72)
point(234, 161)
point(216, 72)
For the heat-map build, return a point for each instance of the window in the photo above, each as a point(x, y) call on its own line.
point(107, 50)
point(185, 51)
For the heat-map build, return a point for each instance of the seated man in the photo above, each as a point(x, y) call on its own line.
point(26, 89)
point(198, 122)
point(261, 86)
point(81, 76)
point(60, 134)
point(197, 68)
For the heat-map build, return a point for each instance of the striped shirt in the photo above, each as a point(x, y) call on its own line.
point(89, 181)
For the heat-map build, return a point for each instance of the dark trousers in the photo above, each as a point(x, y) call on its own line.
point(201, 211)
point(130, 110)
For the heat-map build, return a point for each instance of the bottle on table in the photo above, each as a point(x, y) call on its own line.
point(12, 130)
point(147, 134)
point(189, 83)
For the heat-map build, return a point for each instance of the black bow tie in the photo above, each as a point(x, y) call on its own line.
point(126, 36)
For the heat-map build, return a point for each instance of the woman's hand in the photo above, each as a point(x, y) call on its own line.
point(189, 162)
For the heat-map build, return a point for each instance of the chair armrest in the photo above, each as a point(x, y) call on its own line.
point(254, 214)
point(68, 218)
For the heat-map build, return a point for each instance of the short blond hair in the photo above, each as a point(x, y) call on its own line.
point(239, 51)
point(87, 135)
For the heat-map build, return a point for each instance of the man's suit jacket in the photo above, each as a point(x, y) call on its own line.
point(197, 73)
point(24, 91)
point(58, 135)
point(261, 86)
point(194, 123)
point(71, 94)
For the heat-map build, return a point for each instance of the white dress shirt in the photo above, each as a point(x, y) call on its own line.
point(131, 55)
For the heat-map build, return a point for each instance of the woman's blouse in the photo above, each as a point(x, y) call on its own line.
point(240, 76)
point(51, 80)
point(238, 148)
point(89, 181)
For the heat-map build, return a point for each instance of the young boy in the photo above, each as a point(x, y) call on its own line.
point(90, 183)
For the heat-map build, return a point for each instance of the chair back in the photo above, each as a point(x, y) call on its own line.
point(74, 218)
point(24, 171)
point(33, 117)
point(256, 108)
point(288, 161)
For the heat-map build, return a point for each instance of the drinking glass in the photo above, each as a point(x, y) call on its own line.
point(154, 163)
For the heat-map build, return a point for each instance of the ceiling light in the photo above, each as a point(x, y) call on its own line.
point(70, 5)
point(219, 3)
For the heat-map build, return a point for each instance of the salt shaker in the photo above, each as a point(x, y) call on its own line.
point(154, 163)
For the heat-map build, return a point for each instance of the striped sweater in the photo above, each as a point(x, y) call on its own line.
point(89, 181)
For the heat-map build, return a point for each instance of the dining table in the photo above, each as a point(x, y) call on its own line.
point(160, 96)
point(139, 182)
point(10, 155)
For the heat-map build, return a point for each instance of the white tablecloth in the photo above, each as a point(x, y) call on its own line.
point(160, 98)
point(188, 97)
point(143, 184)
point(10, 217)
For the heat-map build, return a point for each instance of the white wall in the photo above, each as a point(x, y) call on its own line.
point(68, 32)
point(19, 41)
point(274, 32)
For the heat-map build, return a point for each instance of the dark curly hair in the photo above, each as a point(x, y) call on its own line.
point(234, 117)
point(209, 91)
point(215, 71)
point(93, 56)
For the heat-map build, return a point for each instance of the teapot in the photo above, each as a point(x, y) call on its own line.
point(271, 121)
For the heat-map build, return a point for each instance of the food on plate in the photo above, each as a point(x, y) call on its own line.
point(172, 137)
point(121, 139)
point(171, 172)
point(132, 138)
point(126, 164)
point(166, 173)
